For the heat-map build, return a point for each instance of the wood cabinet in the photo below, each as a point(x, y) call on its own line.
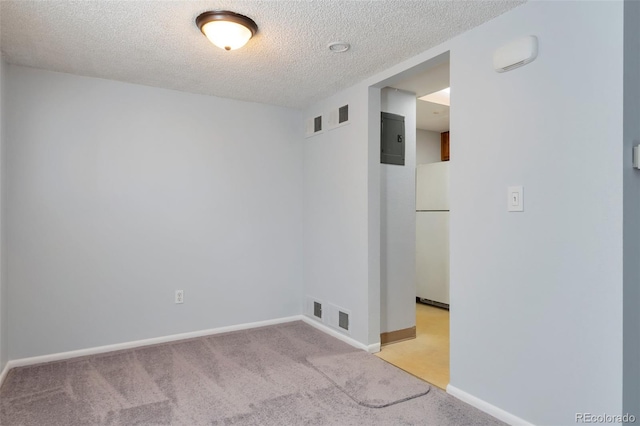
point(444, 146)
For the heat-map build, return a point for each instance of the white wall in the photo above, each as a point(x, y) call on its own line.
point(631, 209)
point(335, 213)
point(526, 286)
point(398, 222)
point(120, 194)
point(529, 289)
point(427, 147)
point(4, 331)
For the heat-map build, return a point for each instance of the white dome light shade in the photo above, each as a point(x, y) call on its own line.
point(227, 30)
point(226, 35)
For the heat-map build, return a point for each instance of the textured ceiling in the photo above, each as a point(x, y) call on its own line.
point(157, 43)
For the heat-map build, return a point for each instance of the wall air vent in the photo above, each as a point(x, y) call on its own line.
point(343, 114)
point(338, 117)
point(510, 67)
point(314, 309)
point(337, 317)
point(343, 320)
point(313, 126)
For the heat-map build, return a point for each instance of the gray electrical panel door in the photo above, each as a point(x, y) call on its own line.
point(392, 139)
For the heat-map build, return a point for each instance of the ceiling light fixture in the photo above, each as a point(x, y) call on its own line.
point(339, 46)
point(227, 30)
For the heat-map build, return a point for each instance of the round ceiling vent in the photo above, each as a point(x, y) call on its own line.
point(339, 46)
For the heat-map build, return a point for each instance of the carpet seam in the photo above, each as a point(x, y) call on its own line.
point(363, 404)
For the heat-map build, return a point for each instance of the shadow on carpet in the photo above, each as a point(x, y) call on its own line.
point(369, 381)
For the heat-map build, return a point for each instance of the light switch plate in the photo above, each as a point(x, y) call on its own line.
point(515, 199)
point(636, 156)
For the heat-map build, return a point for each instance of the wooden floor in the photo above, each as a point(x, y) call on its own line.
point(426, 356)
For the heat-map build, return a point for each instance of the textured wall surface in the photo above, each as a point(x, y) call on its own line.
point(120, 194)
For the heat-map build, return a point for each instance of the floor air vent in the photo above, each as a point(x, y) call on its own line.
point(343, 320)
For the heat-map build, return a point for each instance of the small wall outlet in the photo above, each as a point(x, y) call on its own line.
point(179, 296)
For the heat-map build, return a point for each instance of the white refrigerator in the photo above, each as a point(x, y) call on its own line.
point(432, 232)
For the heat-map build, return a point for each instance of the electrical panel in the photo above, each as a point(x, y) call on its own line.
point(392, 139)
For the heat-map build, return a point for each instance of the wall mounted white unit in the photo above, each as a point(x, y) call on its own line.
point(515, 54)
point(636, 156)
point(338, 117)
point(313, 126)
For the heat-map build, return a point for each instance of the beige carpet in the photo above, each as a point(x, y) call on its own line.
point(255, 377)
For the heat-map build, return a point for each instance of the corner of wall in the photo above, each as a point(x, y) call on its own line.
point(631, 227)
point(3, 281)
point(373, 212)
point(398, 221)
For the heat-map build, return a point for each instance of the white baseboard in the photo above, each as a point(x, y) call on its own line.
point(374, 349)
point(181, 336)
point(4, 373)
point(334, 333)
point(137, 343)
point(496, 412)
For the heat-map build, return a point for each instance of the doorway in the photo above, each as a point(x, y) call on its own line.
point(424, 349)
